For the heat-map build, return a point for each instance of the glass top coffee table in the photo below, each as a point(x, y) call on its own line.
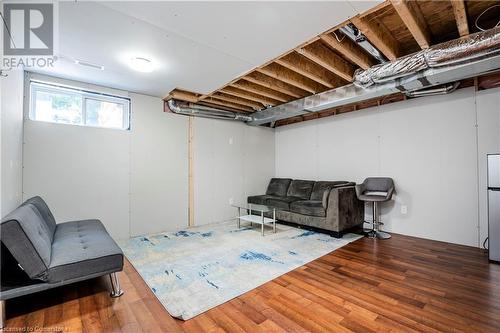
point(254, 213)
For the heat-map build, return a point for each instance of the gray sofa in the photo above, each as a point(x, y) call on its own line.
point(331, 206)
point(38, 254)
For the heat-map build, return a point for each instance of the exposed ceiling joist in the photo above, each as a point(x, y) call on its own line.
point(271, 83)
point(395, 27)
point(328, 59)
point(412, 17)
point(379, 36)
point(349, 50)
point(249, 96)
point(288, 76)
point(262, 91)
point(237, 100)
point(305, 67)
point(230, 105)
point(460, 17)
point(183, 95)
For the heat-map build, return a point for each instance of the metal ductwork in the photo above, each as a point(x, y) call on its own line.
point(444, 90)
point(191, 109)
point(455, 52)
point(448, 62)
point(356, 36)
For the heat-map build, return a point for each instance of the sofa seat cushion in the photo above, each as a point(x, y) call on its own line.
point(83, 248)
point(278, 186)
point(301, 189)
point(282, 203)
point(322, 186)
point(261, 199)
point(308, 207)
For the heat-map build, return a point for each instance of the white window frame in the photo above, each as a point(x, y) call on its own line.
point(85, 95)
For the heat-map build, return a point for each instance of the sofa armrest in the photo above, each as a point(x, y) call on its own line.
point(343, 209)
point(326, 193)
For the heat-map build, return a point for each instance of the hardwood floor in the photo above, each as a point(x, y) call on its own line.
point(403, 284)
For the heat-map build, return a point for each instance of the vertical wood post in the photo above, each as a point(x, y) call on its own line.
point(190, 172)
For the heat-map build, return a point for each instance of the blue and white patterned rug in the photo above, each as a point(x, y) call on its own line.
point(194, 270)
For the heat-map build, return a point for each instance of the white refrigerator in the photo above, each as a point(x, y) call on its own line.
point(494, 207)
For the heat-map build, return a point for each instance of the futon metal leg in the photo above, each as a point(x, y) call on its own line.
point(2, 314)
point(115, 285)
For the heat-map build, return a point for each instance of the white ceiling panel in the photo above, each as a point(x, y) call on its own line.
point(363, 5)
point(252, 31)
point(198, 46)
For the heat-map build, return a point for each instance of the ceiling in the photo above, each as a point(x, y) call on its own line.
point(197, 46)
point(329, 60)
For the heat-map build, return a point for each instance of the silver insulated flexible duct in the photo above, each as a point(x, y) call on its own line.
point(448, 62)
point(458, 51)
point(191, 109)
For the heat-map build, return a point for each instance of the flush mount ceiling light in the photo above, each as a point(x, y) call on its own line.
point(141, 64)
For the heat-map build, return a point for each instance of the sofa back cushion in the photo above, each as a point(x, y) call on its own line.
point(300, 189)
point(28, 239)
point(322, 186)
point(278, 186)
point(44, 210)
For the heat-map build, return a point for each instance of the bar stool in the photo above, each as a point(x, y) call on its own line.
point(375, 190)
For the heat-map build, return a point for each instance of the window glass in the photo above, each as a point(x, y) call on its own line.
point(58, 107)
point(104, 114)
point(75, 107)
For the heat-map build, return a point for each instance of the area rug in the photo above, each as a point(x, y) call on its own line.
point(191, 271)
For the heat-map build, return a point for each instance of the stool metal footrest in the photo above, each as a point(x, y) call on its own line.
point(378, 234)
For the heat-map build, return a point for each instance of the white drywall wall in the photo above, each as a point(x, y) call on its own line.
point(488, 120)
point(134, 181)
point(231, 161)
point(158, 167)
point(428, 145)
point(82, 172)
point(11, 119)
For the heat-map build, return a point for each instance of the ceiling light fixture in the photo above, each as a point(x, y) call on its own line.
point(141, 64)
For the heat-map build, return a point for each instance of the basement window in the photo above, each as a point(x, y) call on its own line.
point(64, 105)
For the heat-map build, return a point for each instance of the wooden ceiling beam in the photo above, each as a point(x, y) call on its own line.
point(328, 59)
point(273, 84)
point(412, 17)
point(378, 35)
point(307, 68)
point(262, 91)
point(212, 100)
point(237, 100)
point(349, 49)
point(286, 75)
point(249, 96)
point(183, 95)
point(460, 17)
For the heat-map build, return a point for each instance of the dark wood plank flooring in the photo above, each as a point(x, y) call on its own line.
point(403, 284)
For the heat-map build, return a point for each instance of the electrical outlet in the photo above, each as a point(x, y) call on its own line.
point(404, 209)
point(230, 141)
point(231, 201)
